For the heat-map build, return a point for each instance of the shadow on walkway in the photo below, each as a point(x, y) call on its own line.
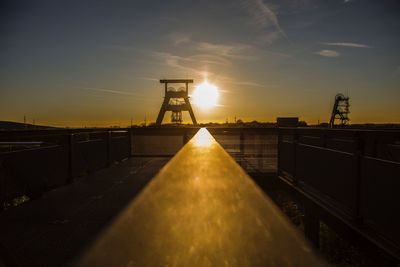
point(56, 229)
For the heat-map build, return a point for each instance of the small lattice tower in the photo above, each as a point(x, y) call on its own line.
point(340, 110)
point(176, 100)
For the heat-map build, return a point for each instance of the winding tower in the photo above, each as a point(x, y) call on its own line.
point(176, 100)
point(340, 110)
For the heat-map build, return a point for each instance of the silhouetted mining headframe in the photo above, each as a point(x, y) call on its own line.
point(176, 100)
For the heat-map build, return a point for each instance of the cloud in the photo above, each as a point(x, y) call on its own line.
point(209, 49)
point(189, 64)
point(178, 38)
point(106, 91)
point(355, 45)
point(111, 91)
point(328, 53)
point(195, 65)
point(245, 83)
point(263, 15)
point(237, 51)
point(148, 79)
point(177, 62)
point(209, 59)
point(268, 38)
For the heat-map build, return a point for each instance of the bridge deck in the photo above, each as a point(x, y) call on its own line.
point(52, 230)
point(201, 210)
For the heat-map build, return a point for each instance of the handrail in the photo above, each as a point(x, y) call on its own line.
point(202, 209)
point(355, 177)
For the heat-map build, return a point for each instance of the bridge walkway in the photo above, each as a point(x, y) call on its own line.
point(53, 230)
point(201, 209)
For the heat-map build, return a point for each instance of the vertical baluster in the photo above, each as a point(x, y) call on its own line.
point(71, 151)
point(358, 154)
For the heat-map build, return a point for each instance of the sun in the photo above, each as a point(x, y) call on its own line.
point(205, 95)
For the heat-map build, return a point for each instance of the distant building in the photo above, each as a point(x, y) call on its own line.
point(287, 121)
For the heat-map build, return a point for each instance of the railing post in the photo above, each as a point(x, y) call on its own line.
point(108, 141)
point(374, 145)
point(358, 154)
point(260, 150)
point(71, 149)
point(130, 141)
point(324, 138)
point(241, 148)
point(279, 171)
point(295, 144)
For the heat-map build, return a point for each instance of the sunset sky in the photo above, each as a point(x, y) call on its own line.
point(97, 63)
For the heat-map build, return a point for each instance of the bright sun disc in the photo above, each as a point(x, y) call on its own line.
point(205, 95)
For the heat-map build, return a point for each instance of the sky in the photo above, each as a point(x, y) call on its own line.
point(98, 63)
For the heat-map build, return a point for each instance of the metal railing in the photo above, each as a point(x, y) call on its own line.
point(202, 209)
point(58, 159)
point(355, 173)
point(255, 149)
point(160, 141)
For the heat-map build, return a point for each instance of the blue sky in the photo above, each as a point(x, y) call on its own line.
point(97, 63)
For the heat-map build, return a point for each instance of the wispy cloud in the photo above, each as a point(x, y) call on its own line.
point(106, 91)
point(111, 91)
point(207, 59)
point(148, 79)
point(190, 64)
point(237, 51)
point(210, 49)
point(328, 53)
point(263, 15)
point(268, 38)
point(231, 80)
point(177, 62)
point(245, 83)
point(178, 38)
point(355, 45)
point(194, 65)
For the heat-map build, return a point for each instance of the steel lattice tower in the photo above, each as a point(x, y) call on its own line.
point(176, 100)
point(340, 110)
